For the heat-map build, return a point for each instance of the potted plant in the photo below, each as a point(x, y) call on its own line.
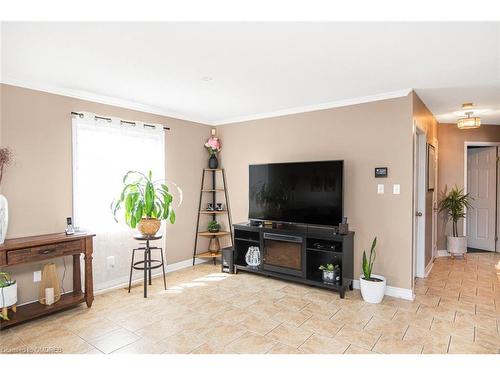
point(213, 147)
point(8, 294)
point(372, 286)
point(145, 202)
point(5, 160)
point(331, 273)
point(454, 204)
point(213, 226)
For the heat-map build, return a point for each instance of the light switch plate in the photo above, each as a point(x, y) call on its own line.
point(396, 189)
point(380, 189)
point(110, 262)
point(37, 276)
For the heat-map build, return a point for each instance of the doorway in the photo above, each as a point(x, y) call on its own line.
point(482, 224)
point(419, 209)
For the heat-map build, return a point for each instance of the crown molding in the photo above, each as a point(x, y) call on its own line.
point(317, 107)
point(108, 100)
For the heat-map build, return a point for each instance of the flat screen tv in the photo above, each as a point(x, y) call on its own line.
point(305, 192)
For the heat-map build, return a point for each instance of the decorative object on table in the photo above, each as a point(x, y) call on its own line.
point(69, 226)
point(344, 226)
point(210, 206)
point(8, 295)
point(49, 296)
point(372, 286)
point(213, 146)
point(49, 281)
point(431, 167)
point(145, 202)
point(6, 158)
point(252, 257)
point(213, 252)
point(331, 273)
point(455, 204)
point(218, 207)
point(213, 226)
point(381, 172)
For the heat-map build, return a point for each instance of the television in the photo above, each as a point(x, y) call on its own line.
point(303, 193)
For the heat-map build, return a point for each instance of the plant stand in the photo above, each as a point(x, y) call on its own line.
point(5, 309)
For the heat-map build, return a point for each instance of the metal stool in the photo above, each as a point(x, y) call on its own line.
point(147, 264)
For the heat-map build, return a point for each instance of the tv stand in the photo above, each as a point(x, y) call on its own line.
point(295, 252)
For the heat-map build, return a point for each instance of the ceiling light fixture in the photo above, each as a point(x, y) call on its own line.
point(468, 122)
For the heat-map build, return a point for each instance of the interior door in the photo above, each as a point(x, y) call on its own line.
point(481, 185)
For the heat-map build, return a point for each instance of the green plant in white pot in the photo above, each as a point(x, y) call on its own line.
point(145, 202)
point(372, 286)
point(454, 204)
point(8, 294)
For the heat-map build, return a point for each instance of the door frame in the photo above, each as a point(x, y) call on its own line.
point(419, 190)
point(497, 213)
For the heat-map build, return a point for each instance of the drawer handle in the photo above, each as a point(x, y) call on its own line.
point(46, 251)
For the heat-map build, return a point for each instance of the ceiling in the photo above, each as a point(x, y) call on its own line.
point(225, 72)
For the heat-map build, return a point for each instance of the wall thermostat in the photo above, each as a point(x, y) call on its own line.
point(381, 172)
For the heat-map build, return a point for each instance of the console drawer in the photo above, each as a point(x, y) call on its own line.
point(40, 253)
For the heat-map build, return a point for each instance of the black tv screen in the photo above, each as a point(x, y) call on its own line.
point(305, 192)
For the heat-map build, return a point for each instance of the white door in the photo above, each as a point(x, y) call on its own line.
point(481, 185)
point(419, 204)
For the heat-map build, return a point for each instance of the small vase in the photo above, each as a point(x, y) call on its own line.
point(4, 218)
point(213, 163)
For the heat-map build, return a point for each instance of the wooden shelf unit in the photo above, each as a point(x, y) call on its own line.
point(213, 190)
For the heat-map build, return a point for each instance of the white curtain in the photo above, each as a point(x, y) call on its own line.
point(103, 151)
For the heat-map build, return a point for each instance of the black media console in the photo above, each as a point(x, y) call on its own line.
point(295, 252)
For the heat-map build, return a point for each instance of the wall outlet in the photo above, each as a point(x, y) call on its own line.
point(110, 262)
point(380, 189)
point(396, 189)
point(37, 276)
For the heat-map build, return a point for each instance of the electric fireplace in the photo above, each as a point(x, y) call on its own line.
point(283, 253)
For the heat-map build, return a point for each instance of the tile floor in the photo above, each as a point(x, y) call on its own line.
point(456, 310)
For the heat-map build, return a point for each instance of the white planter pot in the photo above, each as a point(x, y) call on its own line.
point(4, 218)
point(8, 295)
point(372, 291)
point(456, 245)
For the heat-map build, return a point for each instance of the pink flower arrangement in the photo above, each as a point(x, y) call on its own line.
point(213, 145)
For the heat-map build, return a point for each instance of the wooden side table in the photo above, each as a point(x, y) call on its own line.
point(49, 246)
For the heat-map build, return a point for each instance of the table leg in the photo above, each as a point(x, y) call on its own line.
point(146, 270)
point(77, 274)
point(149, 264)
point(89, 283)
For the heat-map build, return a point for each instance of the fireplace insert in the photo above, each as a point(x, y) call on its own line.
point(283, 253)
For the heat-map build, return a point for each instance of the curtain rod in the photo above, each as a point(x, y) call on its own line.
point(79, 114)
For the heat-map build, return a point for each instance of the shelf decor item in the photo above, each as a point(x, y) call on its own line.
point(252, 256)
point(213, 226)
point(145, 202)
point(213, 146)
point(5, 160)
point(455, 204)
point(8, 295)
point(49, 281)
point(331, 273)
point(372, 286)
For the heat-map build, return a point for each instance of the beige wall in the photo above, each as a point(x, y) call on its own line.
point(37, 126)
point(451, 163)
point(365, 136)
point(426, 121)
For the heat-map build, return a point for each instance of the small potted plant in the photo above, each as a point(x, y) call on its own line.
point(213, 226)
point(145, 202)
point(372, 286)
point(8, 294)
point(331, 273)
point(455, 204)
point(213, 147)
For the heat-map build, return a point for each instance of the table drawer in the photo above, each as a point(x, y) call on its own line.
point(40, 253)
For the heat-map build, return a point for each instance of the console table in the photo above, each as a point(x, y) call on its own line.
point(45, 247)
point(295, 252)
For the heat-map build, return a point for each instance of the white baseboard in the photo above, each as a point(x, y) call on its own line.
point(428, 268)
point(443, 253)
point(393, 291)
point(123, 281)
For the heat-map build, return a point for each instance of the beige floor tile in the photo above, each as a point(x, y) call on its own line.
point(464, 330)
point(207, 348)
point(159, 330)
point(324, 327)
point(387, 328)
point(280, 348)
point(318, 344)
point(390, 345)
point(289, 335)
point(141, 346)
point(407, 317)
point(357, 319)
point(114, 340)
point(488, 338)
point(222, 334)
point(353, 349)
point(182, 343)
point(10, 343)
point(461, 346)
point(251, 343)
point(292, 317)
point(259, 324)
point(358, 337)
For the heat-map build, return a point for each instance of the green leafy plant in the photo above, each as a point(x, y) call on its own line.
point(141, 197)
point(329, 267)
point(5, 280)
point(213, 226)
point(368, 263)
point(454, 204)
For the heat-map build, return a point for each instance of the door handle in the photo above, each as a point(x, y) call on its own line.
point(418, 213)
